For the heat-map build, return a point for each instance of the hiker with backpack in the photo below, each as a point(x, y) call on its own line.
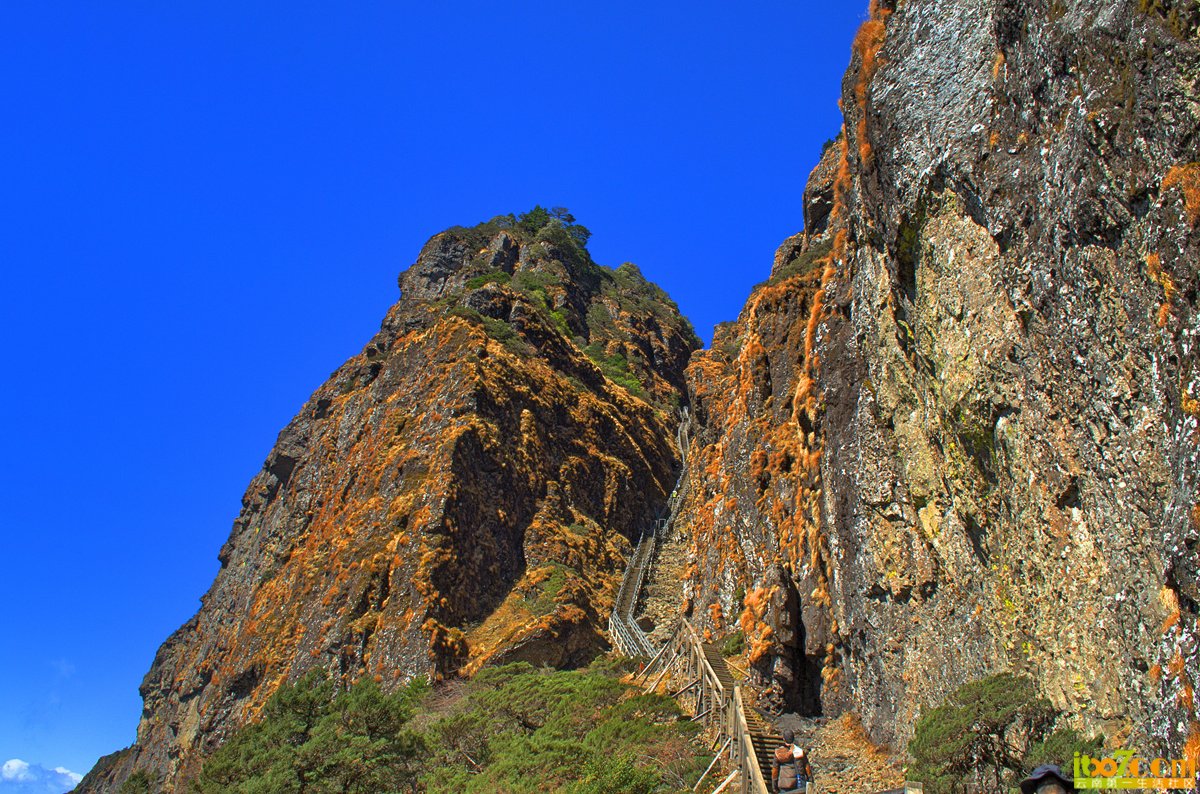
point(790, 769)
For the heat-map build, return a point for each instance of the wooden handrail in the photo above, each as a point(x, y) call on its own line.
point(714, 703)
point(752, 777)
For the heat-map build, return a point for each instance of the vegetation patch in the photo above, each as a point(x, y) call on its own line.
point(616, 369)
point(494, 277)
point(987, 734)
point(513, 728)
point(734, 644)
point(803, 264)
point(314, 739)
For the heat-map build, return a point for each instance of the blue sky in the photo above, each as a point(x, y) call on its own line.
point(206, 205)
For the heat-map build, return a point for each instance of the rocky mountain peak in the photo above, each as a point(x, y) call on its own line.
point(462, 492)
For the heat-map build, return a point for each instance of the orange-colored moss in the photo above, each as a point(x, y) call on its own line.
point(715, 615)
point(1191, 406)
point(868, 41)
point(1186, 178)
point(1191, 748)
point(1171, 622)
point(1164, 315)
point(1187, 697)
point(1154, 265)
point(1154, 270)
point(759, 636)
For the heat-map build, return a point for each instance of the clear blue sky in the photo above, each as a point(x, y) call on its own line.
point(205, 207)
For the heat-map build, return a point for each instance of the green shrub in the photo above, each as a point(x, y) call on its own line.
point(315, 741)
point(803, 263)
point(513, 728)
point(609, 775)
point(138, 783)
point(1060, 747)
point(979, 735)
point(734, 644)
point(559, 316)
point(494, 277)
point(544, 595)
point(540, 730)
point(467, 313)
point(616, 369)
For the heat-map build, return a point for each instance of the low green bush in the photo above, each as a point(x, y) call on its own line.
point(514, 728)
point(987, 735)
point(494, 277)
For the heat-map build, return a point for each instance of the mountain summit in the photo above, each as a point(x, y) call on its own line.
point(461, 492)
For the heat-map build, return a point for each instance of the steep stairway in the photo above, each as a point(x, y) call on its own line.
point(652, 627)
point(761, 732)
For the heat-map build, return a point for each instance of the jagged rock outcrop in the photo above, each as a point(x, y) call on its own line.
point(957, 431)
point(461, 492)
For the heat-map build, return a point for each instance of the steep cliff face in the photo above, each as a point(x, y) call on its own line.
point(460, 492)
point(957, 433)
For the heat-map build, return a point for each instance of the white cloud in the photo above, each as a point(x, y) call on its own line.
point(68, 773)
point(21, 777)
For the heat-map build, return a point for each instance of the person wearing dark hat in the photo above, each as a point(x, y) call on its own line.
point(784, 778)
point(1047, 779)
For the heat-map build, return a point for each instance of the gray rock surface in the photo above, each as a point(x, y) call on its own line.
point(998, 470)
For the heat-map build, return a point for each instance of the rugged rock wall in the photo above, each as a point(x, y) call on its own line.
point(460, 492)
point(957, 433)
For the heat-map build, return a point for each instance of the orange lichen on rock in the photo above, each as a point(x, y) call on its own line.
point(1191, 405)
point(1175, 666)
point(1154, 264)
point(715, 615)
point(1170, 602)
point(1191, 747)
point(867, 44)
point(1186, 178)
point(1154, 270)
point(1186, 696)
point(759, 635)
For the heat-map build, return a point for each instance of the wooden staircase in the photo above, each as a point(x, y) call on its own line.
point(713, 695)
point(708, 688)
point(761, 733)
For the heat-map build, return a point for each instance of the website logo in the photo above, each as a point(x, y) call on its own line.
point(1125, 770)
